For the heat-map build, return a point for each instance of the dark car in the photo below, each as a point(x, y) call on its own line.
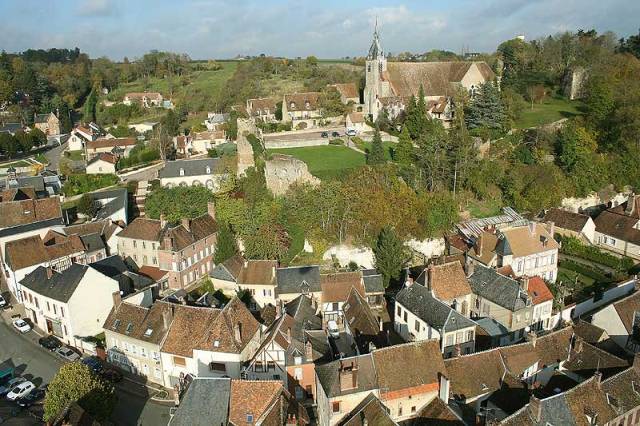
point(50, 342)
point(33, 397)
point(112, 375)
point(335, 134)
point(94, 363)
point(324, 134)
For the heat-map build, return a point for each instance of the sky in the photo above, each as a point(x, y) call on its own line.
point(324, 28)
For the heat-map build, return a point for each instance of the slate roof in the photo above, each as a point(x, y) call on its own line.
point(104, 227)
point(205, 403)
point(196, 167)
point(135, 321)
point(229, 269)
point(359, 316)
point(421, 303)
point(370, 411)
point(10, 127)
point(373, 282)
point(60, 286)
point(492, 327)
point(501, 290)
point(448, 280)
point(298, 279)
point(92, 242)
point(566, 220)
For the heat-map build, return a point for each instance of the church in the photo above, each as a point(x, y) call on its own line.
point(390, 85)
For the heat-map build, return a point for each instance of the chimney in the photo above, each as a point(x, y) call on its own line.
point(49, 272)
point(597, 377)
point(532, 228)
point(289, 334)
point(211, 209)
point(186, 223)
point(469, 267)
point(163, 221)
point(535, 408)
point(552, 228)
point(237, 332)
point(532, 337)
point(168, 242)
point(381, 323)
point(166, 318)
point(348, 375)
point(636, 363)
point(117, 298)
point(524, 283)
point(479, 244)
point(443, 391)
point(308, 351)
point(429, 277)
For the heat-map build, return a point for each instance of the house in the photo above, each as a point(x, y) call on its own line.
point(145, 99)
point(225, 275)
point(336, 288)
point(355, 121)
point(71, 304)
point(509, 303)
point(130, 282)
point(113, 205)
point(45, 184)
point(134, 335)
point(618, 228)
point(204, 141)
point(404, 377)
point(11, 128)
point(215, 120)
point(370, 411)
point(118, 146)
point(448, 283)
point(107, 229)
point(185, 251)
point(292, 346)
point(529, 250)
point(621, 321)
point(258, 277)
point(420, 316)
point(395, 82)
point(348, 92)
point(224, 401)
point(298, 280)
point(208, 172)
point(48, 123)
point(437, 412)
point(144, 127)
point(570, 224)
point(209, 342)
point(82, 134)
point(362, 323)
point(373, 288)
point(263, 109)
point(103, 163)
point(302, 110)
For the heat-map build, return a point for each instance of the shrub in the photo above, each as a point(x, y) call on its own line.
point(82, 183)
point(572, 246)
point(336, 142)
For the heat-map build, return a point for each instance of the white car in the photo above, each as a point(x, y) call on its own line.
point(5, 389)
point(351, 132)
point(21, 325)
point(67, 353)
point(22, 390)
point(3, 302)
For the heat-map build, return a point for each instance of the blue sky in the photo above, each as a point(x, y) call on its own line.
point(325, 28)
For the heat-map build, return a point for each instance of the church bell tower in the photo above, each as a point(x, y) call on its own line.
point(376, 65)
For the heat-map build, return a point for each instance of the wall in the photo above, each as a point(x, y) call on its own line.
point(429, 247)
point(282, 171)
point(101, 167)
point(299, 143)
point(609, 320)
point(127, 353)
point(345, 253)
point(210, 181)
point(620, 246)
point(87, 318)
point(143, 252)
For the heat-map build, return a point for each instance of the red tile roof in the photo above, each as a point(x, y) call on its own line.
point(539, 291)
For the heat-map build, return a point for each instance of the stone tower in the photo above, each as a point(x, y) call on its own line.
point(244, 149)
point(376, 65)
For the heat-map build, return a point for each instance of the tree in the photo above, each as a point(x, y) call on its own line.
point(416, 117)
point(486, 109)
point(226, 246)
point(599, 101)
point(631, 45)
point(24, 141)
point(376, 155)
point(38, 138)
point(75, 382)
point(269, 241)
point(404, 149)
point(90, 107)
point(87, 205)
point(391, 255)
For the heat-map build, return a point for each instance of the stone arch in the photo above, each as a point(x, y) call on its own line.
point(183, 184)
point(196, 183)
point(209, 183)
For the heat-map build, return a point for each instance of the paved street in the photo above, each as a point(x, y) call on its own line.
point(54, 154)
point(39, 366)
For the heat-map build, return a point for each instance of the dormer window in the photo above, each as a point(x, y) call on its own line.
point(181, 172)
point(148, 332)
point(250, 418)
point(116, 324)
point(292, 105)
point(129, 328)
point(307, 105)
point(208, 170)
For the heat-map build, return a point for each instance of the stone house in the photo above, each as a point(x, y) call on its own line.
point(448, 283)
point(302, 110)
point(259, 278)
point(118, 146)
point(224, 276)
point(390, 84)
point(134, 335)
point(208, 342)
point(348, 93)
point(103, 163)
point(145, 99)
point(71, 304)
point(363, 323)
point(263, 109)
point(206, 172)
point(420, 316)
point(618, 228)
point(621, 321)
point(49, 124)
point(204, 141)
point(570, 224)
point(355, 121)
point(529, 250)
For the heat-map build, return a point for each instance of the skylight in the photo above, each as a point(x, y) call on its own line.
point(216, 343)
point(149, 332)
point(116, 324)
point(129, 328)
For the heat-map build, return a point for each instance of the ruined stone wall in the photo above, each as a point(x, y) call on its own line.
point(282, 171)
point(244, 149)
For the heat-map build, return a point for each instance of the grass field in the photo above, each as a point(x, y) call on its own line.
point(485, 208)
point(76, 155)
point(552, 109)
point(326, 161)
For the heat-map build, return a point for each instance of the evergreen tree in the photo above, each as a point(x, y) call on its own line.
point(90, 107)
point(404, 149)
point(417, 120)
point(486, 109)
point(390, 255)
point(376, 155)
point(226, 246)
point(87, 205)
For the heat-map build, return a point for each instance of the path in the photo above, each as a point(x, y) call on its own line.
point(586, 262)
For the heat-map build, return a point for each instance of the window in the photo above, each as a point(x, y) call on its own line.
point(135, 244)
point(181, 172)
point(249, 418)
point(48, 307)
point(459, 336)
point(154, 260)
point(61, 310)
point(399, 311)
point(55, 310)
point(297, 360)
point(144, 245)
point(399, 410)
point(335, 407)
point(178, 361)
point(417, 326)
point(413, 409)
point(148, 332)
point(297, 374)
point(469, 335)
point(217, 366)
point(208, 170)
point(405, 316)
point(449, 340)
point(35, 299)
point(143, 352)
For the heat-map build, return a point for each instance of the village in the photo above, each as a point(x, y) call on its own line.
point(319, 257)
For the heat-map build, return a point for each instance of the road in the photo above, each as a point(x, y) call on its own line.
point(39, 366)
point(53, 155)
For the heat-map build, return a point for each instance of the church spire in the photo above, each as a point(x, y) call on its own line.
point(375, 51)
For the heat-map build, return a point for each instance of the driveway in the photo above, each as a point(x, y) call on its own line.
point(53, 155)
point(39, 365)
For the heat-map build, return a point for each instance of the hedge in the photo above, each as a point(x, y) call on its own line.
point(573, 247)
point(79, 184)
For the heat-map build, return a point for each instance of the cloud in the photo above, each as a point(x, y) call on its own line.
point(97, 8)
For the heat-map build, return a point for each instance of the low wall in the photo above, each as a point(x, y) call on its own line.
point(302, 143)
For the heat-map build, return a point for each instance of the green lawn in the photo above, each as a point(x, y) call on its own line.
point(552, 109)
point(327, 161)
point(485, 208)
point(76, 155)
point(19, 163)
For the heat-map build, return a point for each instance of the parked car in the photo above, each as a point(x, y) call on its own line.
point(112, 375)
point(6, 388)
point(351, 132)
point(21, 325)
point(21, 390)
point(3, 302)
point(50, 342)
point(67, 353)
point(32, 397)
point(335, 134)
point(324, 134)
point(94, 363)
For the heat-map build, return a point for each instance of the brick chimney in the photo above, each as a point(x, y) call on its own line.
point(117, 298)
point(163, 220)
point(308, 350)
point(479, 245)
point(532, 337)
point(211, 209)
point(597, 377)
point(167, 316)
point(186, 223)
point(524, 283)
point(552, 228)
point(429, 277)
point(348, 374)
point(168, 242)
point(49, 272)
point(237, 332)
point(535, 408)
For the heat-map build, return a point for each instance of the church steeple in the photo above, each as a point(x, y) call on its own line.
point(375, 51)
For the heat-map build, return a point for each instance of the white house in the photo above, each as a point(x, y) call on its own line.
point(570, 224)
point(72, 304)
point(80, 135)
point(355, 121)
point(200, 172)
point(618, 228)
point(103, 163)
point(144, 127)
point(621, 321)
